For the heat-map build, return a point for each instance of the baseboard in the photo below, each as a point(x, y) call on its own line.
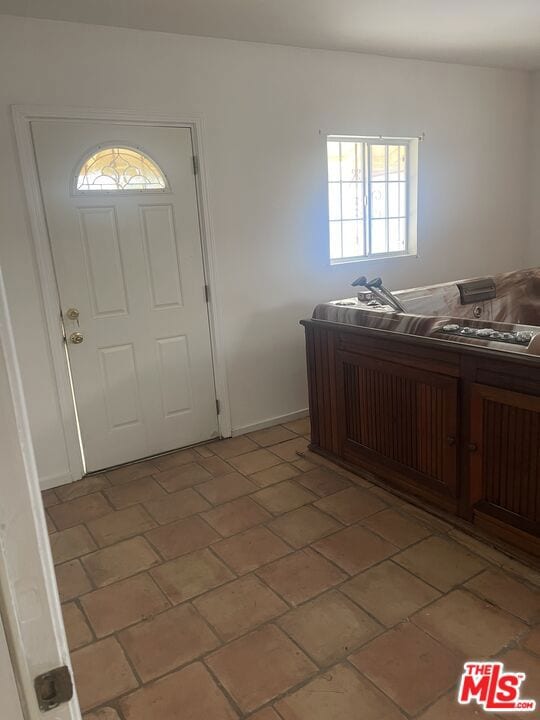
point(52, 481)
point(280, 420)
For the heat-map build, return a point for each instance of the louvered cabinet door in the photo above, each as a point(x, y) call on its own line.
point(504, 461)
point(401, 419)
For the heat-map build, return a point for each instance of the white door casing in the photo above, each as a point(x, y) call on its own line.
point(131, 263)
point(29, 604)
point(11, 700)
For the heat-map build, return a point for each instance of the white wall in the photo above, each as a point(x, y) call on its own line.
point(264, 107)
point(534, 247)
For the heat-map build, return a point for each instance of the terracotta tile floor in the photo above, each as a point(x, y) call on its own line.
point(251, 578)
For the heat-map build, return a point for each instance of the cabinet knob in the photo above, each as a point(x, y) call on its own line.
point(450, 440)
point(472, 447)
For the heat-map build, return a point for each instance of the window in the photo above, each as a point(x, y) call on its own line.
point(371, 197)
point(119, 168)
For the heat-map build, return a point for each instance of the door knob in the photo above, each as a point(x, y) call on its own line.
point(72, 314)
point(76, 338)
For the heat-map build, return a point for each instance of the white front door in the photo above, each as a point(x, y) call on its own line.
point(121, 208)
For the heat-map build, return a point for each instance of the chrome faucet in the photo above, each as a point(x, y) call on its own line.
point(380, 292)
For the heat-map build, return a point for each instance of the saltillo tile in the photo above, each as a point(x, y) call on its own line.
point(81, 510)
point(398, 529)
point(323, 481)
point(191, 692)
point(71, 543)
point(251, 549)
point(222, 489)
point(351, 505)
point(304, 525)
point(102, 673)
point(72, 580)
point(161, 644)
point(239, 606)
point(244, 670)
point(126, 602)
point(233, 446)
point(176, 506)
point(469, 625)
point(181, 477)
point(409, 666)
point(507, 593)
point(272, 435)
point(175, 459)
point(236, 516)
point(254, 461)
point(389, 592)
point(329, 627)
point(119, 561)
point(120, 525)
point(440, 562)
point(274, 474)
point(135, 471)
point(338, 694)
point(82, 487)
point(191, 575)
point(283, 497)
point(182, 537)
point(134, 492)
point(78, 632)
point(354, 549)
point(301, 576)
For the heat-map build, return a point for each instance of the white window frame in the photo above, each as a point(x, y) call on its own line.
point(411, 195)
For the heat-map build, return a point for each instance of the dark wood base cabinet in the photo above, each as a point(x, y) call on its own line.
point(455, 426)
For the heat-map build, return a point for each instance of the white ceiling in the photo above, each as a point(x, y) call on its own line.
point(500, 33)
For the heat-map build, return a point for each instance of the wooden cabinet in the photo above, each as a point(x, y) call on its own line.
point(454, 425)
point(401, 417)
point(504, 464)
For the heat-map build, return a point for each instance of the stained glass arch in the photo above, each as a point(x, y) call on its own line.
point(119, 169)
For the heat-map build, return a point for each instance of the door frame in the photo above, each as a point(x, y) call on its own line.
point(31, 622)
point(23, 116)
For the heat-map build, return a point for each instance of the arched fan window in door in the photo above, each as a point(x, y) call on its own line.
point(119, 169)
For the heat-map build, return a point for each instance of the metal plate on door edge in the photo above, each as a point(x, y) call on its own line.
point(53, 688)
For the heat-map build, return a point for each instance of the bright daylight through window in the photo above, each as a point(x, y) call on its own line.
point(371, 197)
point(119, 168)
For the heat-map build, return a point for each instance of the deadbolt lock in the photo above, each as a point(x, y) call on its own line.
point(76, 338)
point(72, 314)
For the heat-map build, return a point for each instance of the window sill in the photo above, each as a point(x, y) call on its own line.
point(373, 258)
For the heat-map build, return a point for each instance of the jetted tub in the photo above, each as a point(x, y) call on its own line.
point(510, 321)
point(441, 400)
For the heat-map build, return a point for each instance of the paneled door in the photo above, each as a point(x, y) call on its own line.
point(122, 215)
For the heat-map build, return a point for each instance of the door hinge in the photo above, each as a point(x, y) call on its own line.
point(53, 688)
point(195, 159)
point(207, 293)
point(218, 406)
